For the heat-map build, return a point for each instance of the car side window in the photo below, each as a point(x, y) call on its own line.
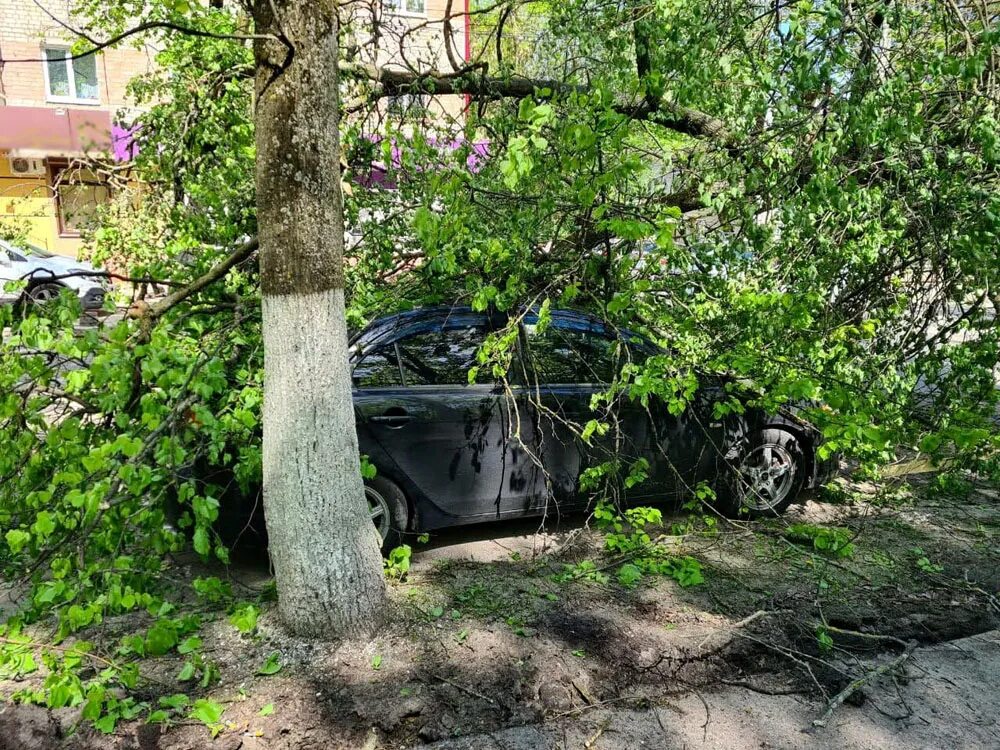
point(378, 369)
point(562, 355)
point(442, 357)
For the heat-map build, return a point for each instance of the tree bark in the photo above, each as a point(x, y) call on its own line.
point(323, 545)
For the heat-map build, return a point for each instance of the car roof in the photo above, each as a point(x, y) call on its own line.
point(432, 314)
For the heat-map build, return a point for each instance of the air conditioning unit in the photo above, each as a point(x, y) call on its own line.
point(23, 167)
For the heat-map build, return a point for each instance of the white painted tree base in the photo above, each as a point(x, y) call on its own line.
point(323, 544)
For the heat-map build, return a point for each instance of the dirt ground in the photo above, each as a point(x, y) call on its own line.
point(486, 648)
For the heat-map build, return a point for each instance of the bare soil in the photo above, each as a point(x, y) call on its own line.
point(482, 642)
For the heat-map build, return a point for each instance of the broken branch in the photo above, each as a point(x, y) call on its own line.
point(857, 684)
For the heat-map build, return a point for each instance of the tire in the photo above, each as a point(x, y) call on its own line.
point(385, 498)
point(242, 518)
point(766, 478)
point(37, 297)
point(41, 294)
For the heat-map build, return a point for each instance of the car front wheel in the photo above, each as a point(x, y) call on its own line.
point(42, 294)
point(767, 477)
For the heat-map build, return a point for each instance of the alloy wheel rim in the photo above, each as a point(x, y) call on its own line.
point(43, 294)
point(767, 475)
point(378, 511)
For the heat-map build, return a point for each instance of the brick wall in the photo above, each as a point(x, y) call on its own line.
point(423, 48)
point(25, 30)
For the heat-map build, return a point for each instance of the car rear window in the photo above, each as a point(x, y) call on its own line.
point(565, 355)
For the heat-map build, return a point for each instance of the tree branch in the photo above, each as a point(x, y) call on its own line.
point(393, 82)
point(141, 28)
point(854, 685)
point(213, 274)
point(462, 81)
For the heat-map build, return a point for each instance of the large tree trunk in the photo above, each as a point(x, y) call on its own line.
point(323, 544)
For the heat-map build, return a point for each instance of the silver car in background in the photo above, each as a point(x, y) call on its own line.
point(47, 275)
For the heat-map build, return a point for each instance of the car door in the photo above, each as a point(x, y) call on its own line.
point(449, 440)
point(567, 363)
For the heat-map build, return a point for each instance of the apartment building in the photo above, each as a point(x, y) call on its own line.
point(57, 110)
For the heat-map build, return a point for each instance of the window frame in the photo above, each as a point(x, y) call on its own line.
point(70, 77)
point(56, 168)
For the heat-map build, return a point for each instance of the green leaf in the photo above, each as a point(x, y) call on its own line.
point(266, 710)
point(161, 638)
point(16, 539)
point(202, 543)
point(206, 711)
point(95, 703)
point(271, 665)
point(245, 618)
point(190, 644)
point(106, 723)
point(187, 672)
point(177, 701)
point(629, 575)
point(44, 524)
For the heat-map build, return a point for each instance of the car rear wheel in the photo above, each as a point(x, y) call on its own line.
point(767, 477)
point(388, 510)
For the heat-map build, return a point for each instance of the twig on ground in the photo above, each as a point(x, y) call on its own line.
point(828, 561)
point(584, 693)
point(762, 690)
point(597, 735)
point(463, 688)
point(36, 645)
point(572, 538)
point(742, 624)
point(869, 636)
point(799, 657)
point(860, 682)
point(609, 701)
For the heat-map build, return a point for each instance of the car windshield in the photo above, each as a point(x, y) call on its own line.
point(35, 251)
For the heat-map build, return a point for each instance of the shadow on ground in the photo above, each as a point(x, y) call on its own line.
point(484, 636)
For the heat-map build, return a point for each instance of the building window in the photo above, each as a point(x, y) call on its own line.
point(404, 7)
point(68, 80)
point(78, 194)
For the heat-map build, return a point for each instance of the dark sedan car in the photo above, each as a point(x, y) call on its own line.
point(451, 452)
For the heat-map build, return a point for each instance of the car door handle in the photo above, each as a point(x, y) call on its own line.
point(393, 417)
